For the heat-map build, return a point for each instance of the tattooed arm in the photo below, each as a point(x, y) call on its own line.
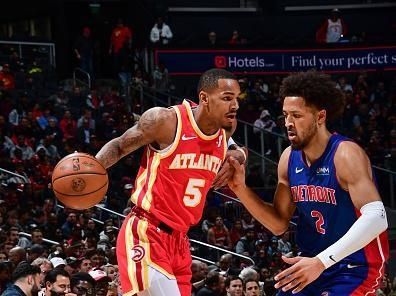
point(155, 126)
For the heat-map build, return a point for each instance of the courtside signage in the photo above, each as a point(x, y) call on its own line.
point(194, 62)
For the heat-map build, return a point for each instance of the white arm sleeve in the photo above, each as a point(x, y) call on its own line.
point(367, 227)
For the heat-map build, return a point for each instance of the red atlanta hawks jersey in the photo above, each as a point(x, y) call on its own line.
point(172, 183)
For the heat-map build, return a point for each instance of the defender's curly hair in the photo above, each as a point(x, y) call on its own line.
point(317, 89)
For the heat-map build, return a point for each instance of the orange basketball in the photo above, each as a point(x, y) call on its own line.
point(79, 181)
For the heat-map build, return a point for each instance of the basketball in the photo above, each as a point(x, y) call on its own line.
point(79, 181)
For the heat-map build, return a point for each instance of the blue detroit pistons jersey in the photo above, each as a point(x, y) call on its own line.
point(325, 210)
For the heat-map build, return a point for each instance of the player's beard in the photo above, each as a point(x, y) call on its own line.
point(305, 137)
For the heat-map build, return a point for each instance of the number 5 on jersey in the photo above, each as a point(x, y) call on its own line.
point(192, 196)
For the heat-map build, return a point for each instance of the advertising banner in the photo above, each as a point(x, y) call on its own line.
point(262, 62)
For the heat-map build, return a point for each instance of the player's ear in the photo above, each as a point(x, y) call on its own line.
point(322, 117)
point(203, 97)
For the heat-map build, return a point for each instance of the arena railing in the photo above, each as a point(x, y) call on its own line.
point(191, 240)
point(77, 79)
point(265, 147)
point(42, 51)
point(26, 180)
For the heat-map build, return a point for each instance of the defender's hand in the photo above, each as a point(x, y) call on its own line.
point(238, 178)
point(223, 176)
point(303, 271)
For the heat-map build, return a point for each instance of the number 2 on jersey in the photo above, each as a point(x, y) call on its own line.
point(319, 223)
point(192, 196)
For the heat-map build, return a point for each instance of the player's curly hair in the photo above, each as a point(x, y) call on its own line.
point(317, 89)
point(209, 79)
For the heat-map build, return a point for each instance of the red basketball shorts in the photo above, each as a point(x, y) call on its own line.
point(141, 245)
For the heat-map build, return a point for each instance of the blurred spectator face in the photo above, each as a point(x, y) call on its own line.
point(219, 221)
point(37, 237)
point(252, 289)
point(12, 219)
point(102, 288)
point(238, 224)
point(67, 115)
point(86, 32)
point(21, 140)
point(5, 275)
point(250, 234)
point(3, 257)
point(8, 247)
point(264, 273)
point(212, 37)
point(84, 288)
point(235, 288)
point(60, 287)
point(225, 262)
point(204, 268)
point(85, 265)
point(91, 224)
point(110, 271)
point(13, 236)
point(72, 218)
point(52, 122)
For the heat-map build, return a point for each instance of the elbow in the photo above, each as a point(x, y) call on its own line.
point(279, 230)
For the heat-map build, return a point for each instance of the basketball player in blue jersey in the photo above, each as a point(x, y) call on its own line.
point(327, 180)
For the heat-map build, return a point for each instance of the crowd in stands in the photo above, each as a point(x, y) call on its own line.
point(41, 123)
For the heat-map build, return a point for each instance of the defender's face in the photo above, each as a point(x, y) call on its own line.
point(300, 121)
point(222, 103)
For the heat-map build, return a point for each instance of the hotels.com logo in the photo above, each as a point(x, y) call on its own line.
point(220, 62)
point(239, 62)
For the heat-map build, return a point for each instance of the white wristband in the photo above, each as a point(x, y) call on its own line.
point(243, 152)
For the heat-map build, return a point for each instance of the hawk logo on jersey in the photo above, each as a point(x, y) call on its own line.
point(137, 253)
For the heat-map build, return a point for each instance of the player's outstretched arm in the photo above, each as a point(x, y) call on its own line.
point(276, 216)
point(150, 128)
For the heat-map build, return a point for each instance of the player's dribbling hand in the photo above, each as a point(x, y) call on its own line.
point(238, 178)
point(304, 270)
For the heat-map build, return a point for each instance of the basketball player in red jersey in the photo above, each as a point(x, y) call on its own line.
point(185, 148)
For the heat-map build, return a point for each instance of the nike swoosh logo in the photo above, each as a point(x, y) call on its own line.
point(185, 138)
point(299, 170)
point(350, 266)
point(331, 258)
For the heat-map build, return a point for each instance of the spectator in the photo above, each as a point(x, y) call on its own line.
point(83, 48)
point(5, 276)
point(214, 285)
point(85, 265)
point(225, 266)
point(26, 279)
point(45, 266)
point(284, 246)
point(161, 78)
point(246, 245)
point(7, 79)
point(212, 40)
point(17, 255)
point(101, 281)
point(57, 282)
point(82, 284)
point(233, 286)
point(120, 43)
point(58, 262)
point(251, 287)
point(236, 231)
point(235, 38)
point(161, 33)
point(218, 235)
point(332, 29)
